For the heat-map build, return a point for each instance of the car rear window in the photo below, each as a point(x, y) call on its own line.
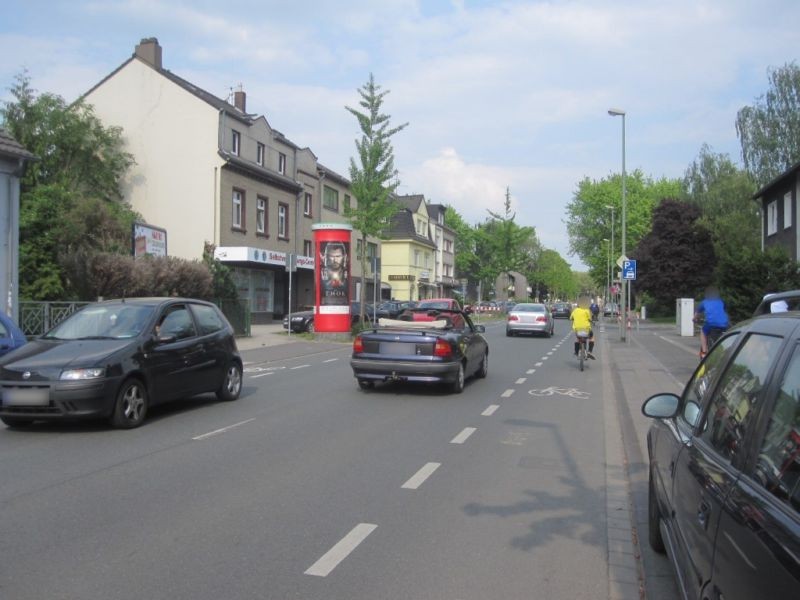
point(208, 320)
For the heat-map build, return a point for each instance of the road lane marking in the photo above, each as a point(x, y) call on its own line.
point(420, 476)
point(545, 357)
point(507, 394)
point(330, 360)
point(464, 435)
point(261, 375)
point(537, 364)
point(299, 367)
point(530, 371)
point(222, 430)
point(679, 345)
point(550, 353)
point(490, 410)
point(331, 559)
point(521, 380)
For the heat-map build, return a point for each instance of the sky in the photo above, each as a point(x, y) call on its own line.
point(496, 94)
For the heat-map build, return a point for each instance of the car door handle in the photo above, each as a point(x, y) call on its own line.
point(703, 512)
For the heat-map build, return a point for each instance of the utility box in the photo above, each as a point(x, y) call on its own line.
point(684, 311)
point(644, 313)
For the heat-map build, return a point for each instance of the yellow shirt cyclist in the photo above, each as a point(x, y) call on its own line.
point(582, 321)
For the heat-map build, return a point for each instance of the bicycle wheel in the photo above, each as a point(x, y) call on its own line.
point(582, 356)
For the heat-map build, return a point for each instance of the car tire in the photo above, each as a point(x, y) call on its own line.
point(654, 519)
point(509, 333)
point(232, 383)
point(483, 371)
point(310, 327)
point(16, 422)
point(130, 408)
point(366, 384)
point(458, 385)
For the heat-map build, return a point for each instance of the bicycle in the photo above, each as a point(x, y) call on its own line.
point(583, 337)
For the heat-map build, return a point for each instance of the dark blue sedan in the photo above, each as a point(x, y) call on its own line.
point(11, 336)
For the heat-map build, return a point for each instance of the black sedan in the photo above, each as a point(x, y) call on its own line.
point(115, 359)
point(303, 321)
point(724, 499)
point(431, 347)
point(561, 310)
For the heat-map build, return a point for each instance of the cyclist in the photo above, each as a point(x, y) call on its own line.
point(595, 310)
point(581, 319)
point(716, 318)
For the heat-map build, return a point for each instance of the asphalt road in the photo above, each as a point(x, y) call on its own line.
point(309, 488)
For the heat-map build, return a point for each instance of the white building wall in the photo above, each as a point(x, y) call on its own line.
point(173, 137)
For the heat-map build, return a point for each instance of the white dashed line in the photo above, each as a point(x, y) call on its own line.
point(420, 476)
point(299, 367)
point(507, 394)
point(341, 550)
point(330, 360)
point(538, 364)
point(545, 357)
point(530, 371)
point(463, 436)
point(260, 375)
point(521, 380)
point(223, 430)
point(490, 410)
point(550, 353)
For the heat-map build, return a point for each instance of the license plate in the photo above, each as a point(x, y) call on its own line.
point(402, 348)
point(26, 397)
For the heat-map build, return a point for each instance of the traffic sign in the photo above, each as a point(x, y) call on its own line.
point(629, 270)
point(621, 260)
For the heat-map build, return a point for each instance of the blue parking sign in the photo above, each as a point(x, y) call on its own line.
point(629, 270)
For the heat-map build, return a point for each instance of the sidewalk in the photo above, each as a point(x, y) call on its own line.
point(265, 336)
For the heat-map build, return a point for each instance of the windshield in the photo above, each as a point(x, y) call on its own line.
point(104, 321)
point(439, 304)
point(529, 308)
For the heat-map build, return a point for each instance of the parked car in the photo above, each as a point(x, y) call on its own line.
point(393, 308)
point(439, 304)
point(303, 321)
point(116, 359)
point(529, 318)
point(611, 309)
point(561, 310)
point(438, 347)
point(724, 472)
point(11, 336)
point(778, 303)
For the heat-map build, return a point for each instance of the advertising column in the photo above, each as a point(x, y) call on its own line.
point(332, 276)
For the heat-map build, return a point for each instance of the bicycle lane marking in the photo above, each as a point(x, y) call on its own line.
point(553, 391)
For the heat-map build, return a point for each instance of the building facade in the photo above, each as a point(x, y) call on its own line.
point(445, 261)
point(778, 201)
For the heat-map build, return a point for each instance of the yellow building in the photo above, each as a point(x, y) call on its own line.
point(408, 253)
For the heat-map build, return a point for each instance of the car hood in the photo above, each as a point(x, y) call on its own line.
point(45, 359)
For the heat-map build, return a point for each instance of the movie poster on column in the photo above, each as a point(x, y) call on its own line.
point(334, 282)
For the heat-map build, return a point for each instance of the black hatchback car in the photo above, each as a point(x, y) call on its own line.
point(724, 496)
point(117, 358)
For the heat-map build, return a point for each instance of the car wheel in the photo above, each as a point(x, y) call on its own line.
point(130, 408)
point(653, 518)
point(366, 384)
point(310, 327)
point(15, 422)
point(509, 333)
point(458, 385)
point(232, 384)
point(484, 369)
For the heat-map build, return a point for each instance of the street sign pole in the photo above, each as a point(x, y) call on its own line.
point(290, 267)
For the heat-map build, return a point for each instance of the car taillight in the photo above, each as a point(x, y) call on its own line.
point(513, 318)
point(358, 345)
point(442, 349)
point(541, 319)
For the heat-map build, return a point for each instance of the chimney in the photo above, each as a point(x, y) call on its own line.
point(149, 51)
point(240, 99)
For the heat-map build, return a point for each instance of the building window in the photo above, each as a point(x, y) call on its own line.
point(416, 258)
point(330, 199)
point(238, 209)
point(308, 248)
point(261, 215)
point(787, 210)
point(283, 221)
point(307, 205)
point(346, 202)
point(236, 142)
point(359, 248)
point(427, 260)
point(281, 163)
point(372, 250)
point(260, 153)
point(772, 217)
point(448, 246)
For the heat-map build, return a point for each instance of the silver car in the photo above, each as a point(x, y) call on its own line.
point(529, 318)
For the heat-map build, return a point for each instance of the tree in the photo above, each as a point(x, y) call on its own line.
point(464, 249)
point(374, 177)
point(554, 277)
point(511, 247)
point(70, 198)
point(676, 259)
point(589, 219)
point(769, 130)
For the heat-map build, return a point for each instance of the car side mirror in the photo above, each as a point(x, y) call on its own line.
point(480, 328)
point(661, 406)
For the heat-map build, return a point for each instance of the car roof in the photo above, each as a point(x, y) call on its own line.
point(152, 301)
point(764, 307)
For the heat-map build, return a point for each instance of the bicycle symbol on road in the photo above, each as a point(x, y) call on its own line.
point(263, 369)
point(552, 391)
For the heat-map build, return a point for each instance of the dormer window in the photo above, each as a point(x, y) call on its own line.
point(236, 142)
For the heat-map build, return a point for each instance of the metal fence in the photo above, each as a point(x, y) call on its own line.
point(37, 318)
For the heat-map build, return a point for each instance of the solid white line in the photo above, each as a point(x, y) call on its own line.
point(261, 375)
point(330, 360)
point(521, 380)
point(223, 430)
point(490, 410)
point(679, 345)
point(507, 394)
point(530, 371)
point(420, 476)
point(538, 364)
point(329, 561)
point(463, 436)
point(299, 367)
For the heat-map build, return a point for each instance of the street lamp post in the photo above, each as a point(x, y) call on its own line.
point(616, 112)
point(607, 295)
point(611, 249)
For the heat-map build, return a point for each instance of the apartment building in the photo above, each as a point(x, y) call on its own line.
point(445, 259)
